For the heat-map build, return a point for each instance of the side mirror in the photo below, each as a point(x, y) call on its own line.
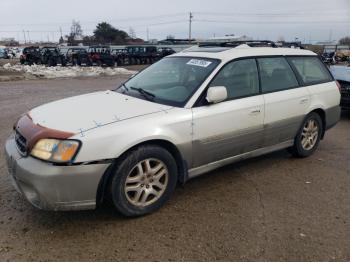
point(216, 94)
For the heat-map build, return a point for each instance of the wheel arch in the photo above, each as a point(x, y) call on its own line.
point(173, 150)
point(322, 113)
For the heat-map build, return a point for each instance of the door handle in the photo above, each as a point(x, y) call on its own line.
point(255, 111)
point(304, 100)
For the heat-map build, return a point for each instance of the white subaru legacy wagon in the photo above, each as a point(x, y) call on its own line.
point(185, 115)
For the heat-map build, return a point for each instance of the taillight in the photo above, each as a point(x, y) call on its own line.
point(339, 86)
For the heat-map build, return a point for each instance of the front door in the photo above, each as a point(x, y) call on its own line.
point(234, 126)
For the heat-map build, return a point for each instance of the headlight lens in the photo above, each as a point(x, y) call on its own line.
point(55, 150)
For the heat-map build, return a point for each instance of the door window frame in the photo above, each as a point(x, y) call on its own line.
point(201, 99)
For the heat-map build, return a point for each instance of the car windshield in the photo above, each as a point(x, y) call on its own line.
point(171, 81)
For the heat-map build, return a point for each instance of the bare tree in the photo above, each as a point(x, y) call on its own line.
point(132, 33)
point(76, 31)
point(281, 39)
point(344, 40)
point(170, 37)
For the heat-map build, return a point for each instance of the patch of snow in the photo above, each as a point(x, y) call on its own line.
point(41, 71)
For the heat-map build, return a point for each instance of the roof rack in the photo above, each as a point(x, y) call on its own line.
point(251, 43)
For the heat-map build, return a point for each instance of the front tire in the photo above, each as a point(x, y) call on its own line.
point(308, 137)
point(143, 181)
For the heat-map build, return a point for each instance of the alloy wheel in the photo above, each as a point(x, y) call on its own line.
point(309, 134)
point(146, 182)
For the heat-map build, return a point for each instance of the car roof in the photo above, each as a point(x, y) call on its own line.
point(229, 53)
point(99, 46)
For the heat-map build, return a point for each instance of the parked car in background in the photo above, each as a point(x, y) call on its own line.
point(142, 54)
point(3, 53)
point(342, 75)
point(78, 56)
point(329, 58)
point(51, 56)
point(31, 55)
point(11, 53)
point(165, 51)
point(101, 55)
point(184, 116)
point(345, 94)
point(121, 56)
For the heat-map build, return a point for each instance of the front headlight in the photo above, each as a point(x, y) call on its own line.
point(55, 150)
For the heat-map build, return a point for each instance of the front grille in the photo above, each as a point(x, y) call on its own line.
point(345, 92)
point(21, 143)
point(345, 88)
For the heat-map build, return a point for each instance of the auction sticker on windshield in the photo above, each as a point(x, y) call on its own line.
point(199, 62)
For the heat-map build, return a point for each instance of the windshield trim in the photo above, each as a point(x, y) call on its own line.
point(169, 102)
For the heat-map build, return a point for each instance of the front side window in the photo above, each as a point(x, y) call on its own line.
point(170, 81)
point(276, 74)
point(239, 77)
point(311, 69)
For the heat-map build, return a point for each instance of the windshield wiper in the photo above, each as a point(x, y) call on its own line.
point(146, 94)
point(122, 85)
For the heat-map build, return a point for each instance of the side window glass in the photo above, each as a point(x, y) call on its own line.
point(311, 69)
point(239, 77)
point(276, 74)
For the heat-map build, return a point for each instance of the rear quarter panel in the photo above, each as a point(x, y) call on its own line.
point(324, 96)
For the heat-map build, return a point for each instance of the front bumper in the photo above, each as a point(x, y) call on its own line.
point(51, 187)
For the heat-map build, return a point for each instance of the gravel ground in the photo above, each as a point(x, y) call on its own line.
point(271, 208)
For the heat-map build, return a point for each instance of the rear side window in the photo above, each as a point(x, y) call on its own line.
point(276, 74)
point(311, 69)
point(239, 77)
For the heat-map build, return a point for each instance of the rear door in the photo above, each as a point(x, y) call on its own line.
point(234, 126)
point(286, 102)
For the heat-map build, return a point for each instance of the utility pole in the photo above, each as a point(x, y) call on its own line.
point(330, 35)
point(25, 40)
point(28, 37)
point(147, 34)
point(190, 28)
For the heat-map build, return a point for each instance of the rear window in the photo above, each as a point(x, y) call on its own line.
point(311, 70)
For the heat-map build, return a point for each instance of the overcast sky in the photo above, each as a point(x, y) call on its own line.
point(314, 20)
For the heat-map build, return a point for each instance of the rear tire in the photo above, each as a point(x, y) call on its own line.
point(308, 137)
point(143, 180)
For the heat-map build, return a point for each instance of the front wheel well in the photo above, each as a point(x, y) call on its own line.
point(173, 150)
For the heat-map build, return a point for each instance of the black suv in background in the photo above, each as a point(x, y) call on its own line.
point(121, 56)
point(345, 94)
point(165, 51)
point(48, 55)
point(51, 56)
point(78, 56)
point(30, 55)
point(101, 55)
point(142, 54)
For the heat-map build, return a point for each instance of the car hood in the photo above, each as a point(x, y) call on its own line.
point(82, 113)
